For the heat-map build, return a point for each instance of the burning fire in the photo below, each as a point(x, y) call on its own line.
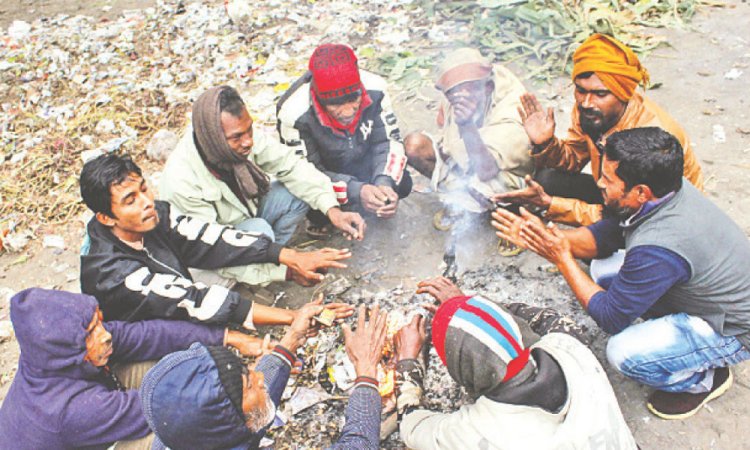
point(386, 370)
point(386, 380)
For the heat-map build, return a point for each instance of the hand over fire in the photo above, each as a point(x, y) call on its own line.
point(440, 288)
point(410, 339)
point(365, 345)
point(302, 325)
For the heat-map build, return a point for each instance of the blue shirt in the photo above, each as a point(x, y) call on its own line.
point(647, 273)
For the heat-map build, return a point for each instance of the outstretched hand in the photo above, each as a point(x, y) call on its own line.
point(546, 241)
point(302, 326)
point(508, 226)
point(308, 268)
point(364, 346)
point(249, 345)
point(538, 123)
point(532, 194)
point(440, 288)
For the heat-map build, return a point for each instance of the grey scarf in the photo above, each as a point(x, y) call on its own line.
point(252, 181)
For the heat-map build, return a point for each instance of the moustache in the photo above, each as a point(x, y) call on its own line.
point(589, 112)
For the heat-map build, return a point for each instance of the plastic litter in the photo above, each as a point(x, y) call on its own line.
point(19, 30)
point(53, 241)
point(733, 74)
point(304, 398)
point(719, 135)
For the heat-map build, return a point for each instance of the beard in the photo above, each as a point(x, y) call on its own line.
point(622, 213)
point(259, 418)
point(595, 126)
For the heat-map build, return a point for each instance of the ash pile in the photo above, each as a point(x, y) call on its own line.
point(311, 414)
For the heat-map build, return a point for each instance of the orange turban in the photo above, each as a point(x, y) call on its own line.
point(613, 62)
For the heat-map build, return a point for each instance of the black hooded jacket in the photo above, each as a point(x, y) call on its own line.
point(154, 282)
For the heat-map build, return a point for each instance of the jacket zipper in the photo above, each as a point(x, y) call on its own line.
point(161, 263)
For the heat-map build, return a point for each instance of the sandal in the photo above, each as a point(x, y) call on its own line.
point(442, 220)
point(506, 248)
point(318, 231)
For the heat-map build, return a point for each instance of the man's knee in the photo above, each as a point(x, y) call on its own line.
point(416, 144)
point(420, 153)
point(256, 225)
point(279, 202)
point(633, 353)
point(618, 351)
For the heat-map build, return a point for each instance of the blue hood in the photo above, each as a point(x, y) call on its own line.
point(51, 330)
point(187, 406)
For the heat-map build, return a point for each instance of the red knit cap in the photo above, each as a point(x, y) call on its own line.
point(334, 71)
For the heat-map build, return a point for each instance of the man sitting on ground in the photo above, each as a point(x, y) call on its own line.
point(531, 392)
point(77, 376)
point(685, 269)
point(138, 252)
point(483, 148)
point(606, 74)
point(206, 398)
point(218, 173)
point(340, 117)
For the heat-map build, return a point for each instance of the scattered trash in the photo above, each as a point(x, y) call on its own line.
point(719, 134)
point(304, 398)
point(15, 241)
point(90, 154)
point(75, 86)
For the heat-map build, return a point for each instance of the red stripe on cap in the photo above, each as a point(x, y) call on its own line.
point(516, 364)
point(494, 324)
point(440, 322)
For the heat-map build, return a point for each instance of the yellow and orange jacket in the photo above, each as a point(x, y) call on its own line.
point(574, 152)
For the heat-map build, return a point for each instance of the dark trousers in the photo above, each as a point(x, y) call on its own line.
point(403, 190)
point(559, 183)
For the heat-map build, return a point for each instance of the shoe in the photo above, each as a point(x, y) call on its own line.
point(681, 405)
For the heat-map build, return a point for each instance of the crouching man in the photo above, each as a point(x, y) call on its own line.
point(138, 253)
point(482, 148)
point(77, 376)
point(340, 117)
point(684, 269)
point(205, 397)
point(549, 395)
point(219, 173)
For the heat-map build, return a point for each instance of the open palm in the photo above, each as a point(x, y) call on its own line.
point(538, 123)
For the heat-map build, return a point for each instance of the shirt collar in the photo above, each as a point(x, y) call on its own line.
point(647, 208)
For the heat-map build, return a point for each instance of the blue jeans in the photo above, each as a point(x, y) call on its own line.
point(279, 213)
point(674, 353)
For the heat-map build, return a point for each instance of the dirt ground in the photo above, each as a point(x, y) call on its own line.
point(402, 251)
